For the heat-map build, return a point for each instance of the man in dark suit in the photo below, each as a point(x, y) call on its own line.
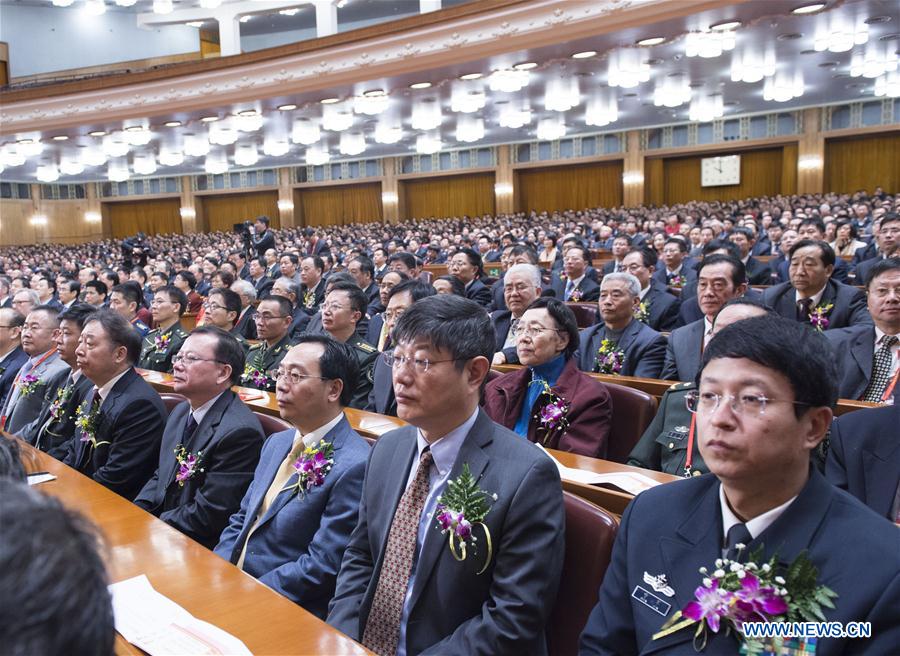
point(572, 283)
point(244, 324)
point(261, 282)
point(677, 269)
point(644, 348)
point(719, 279)
point(343, 309)
point(621, 245)
point(121, 421)
point(888, 241)
point(312, 290)
point(210, 444)
point(12, 356)
point(262, 239)
point(400, 299)
point(864, 458)
point(518, 254)
point(46, 289)
point(398, 572)
point(522, 285)
point(758, 273)
point(289, 532)
point(811, 296)
point(288, 289)
point(867, 354)
point(363, 271)
point(814, 228)
point(657, 308)
point(466, 265)
point(5, 296)
point(766, 388)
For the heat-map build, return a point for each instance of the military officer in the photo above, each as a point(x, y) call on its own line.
point(161, 345)
point(273, 321)
point(126, 300)
point(343, 309)
point(222, 309)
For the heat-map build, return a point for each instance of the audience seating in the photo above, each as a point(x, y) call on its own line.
point(272, 425)
point(590, 533)
point(170, 400)
point(633, 410)
point(585, 313)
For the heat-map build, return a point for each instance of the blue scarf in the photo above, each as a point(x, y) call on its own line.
point(548, 372)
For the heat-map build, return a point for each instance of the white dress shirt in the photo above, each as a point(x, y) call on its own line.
point(755, 525)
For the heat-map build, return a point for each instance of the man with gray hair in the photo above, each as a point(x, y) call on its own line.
point(287, 288)
point(25, 300)
point(621, 345)
point(5, 298)
point(521, 286)
point(245, 326)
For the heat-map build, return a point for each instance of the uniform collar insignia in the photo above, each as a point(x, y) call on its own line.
point(659, 584)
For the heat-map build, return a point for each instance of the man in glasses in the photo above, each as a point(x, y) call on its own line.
point(273, 321)
point(161, 345)
point(296, 518)
point(211, 442)
point(401, 590)
point(342, 310)
point(222, 308)
point(12, 357)
point(766, 387)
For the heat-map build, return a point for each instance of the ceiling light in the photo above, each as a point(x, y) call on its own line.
point(305, 132)
point(209, 119)
point(194, 23)
point(216, 163)
point(428, 144)
point(289, 12)
point(584, 55)
point(420, 85)
point(551, 129)
point(371, 103)
point(171, 157)
point(601, 109)
point(469, 129)
point(126, 3)
point(195, 145)
point(286, 108)
point(329, 101)
point(627, 68)
point(210, 4)
point(508, 80)
point(471, 76)
point(752, 65)
point(525, 66)
point(352, 143)
point(93, 157)
point(162, 6)
point(94, 7)
point(62, 3)
point(12, 157)
point(245, 19)
point(246, 155)
point(276, 147)
point(97, 133)
point(222, 134)
point(808, 9)
point(705, 107)
point(71, 165)
point(316, 156)
point(874, 62)
point(60, 137)
point(337, 117)
point(426, 115)
point(652, 41)
point(888, 85)
point(467, 97)
point(374, 93)
point(785, 85)
point(726, 26)
point(561, 94)
point(388, 134)
point(514, 117)
point(145, 164)
point(672, 91)
point(708, 44)
point(249, 120)
point(172, 124)
point(30, 147)
point(116, 145)
point(47, 173)
point(837, 34)
point(117, 171)
point(138, 135)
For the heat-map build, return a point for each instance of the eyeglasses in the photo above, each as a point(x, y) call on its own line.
point(332, 307)
point(265, 318)
point(532, 331)
point(751, 405)
point(419, 366)
point(189, 359)
point(212, 307)
point(391, 316)
point(292, 377)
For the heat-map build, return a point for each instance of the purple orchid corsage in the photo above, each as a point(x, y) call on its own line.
point(312, 467)
point(460, 509)
point(819, 316)
point(188, 464)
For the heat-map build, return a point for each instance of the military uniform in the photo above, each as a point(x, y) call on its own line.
point(141, 328)
point(366, 354)
point(159, 347)
point(663, 446)
point(261, 359)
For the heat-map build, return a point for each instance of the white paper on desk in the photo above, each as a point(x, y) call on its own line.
point(631, 482)
point(37, 479)
point(160, 627)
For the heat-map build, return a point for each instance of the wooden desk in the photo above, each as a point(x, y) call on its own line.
point(207, 586)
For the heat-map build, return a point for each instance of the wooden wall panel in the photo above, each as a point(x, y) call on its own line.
point(149, 216)
point(340, 204)
point(15, 228)
point(569, 187)
point(452, 195)
point(223, 211)
point(65, 223)
point(654, 182)
point(863, 163)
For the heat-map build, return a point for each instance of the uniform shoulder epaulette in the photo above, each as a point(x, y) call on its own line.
point(365, 346)
point(155, 331)
point(680, 386)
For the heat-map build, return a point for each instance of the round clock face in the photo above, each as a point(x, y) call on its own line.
point(719, 171)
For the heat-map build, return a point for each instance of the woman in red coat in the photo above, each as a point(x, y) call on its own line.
point(549, 400)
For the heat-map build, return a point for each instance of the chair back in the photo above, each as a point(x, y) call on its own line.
point(170, 400)
point(633, 410)
point(585, 313)
point(271, 424)
point(590, 532)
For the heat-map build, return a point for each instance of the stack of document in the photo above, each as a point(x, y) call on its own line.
point(631, 482)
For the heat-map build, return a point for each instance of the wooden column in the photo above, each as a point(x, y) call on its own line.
point(811, 154)
point(286, 198)
point(504, 182)
point(633, 170)
point(390, 189)
point(190, 222)
point(95, 208)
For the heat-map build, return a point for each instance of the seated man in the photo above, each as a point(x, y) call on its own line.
point(363, 271)
point(812, 296)
point(12, 356)
point(572, 283)
point(377, 333)
point(244, 325)
point(400, 299)
point(621, 345)
point(187, 282)
point(161, 345)
point(221, 310)
point(719, 279)
point(52, 578)
point(126, 300)
point(94, 293)
point(766, 388)
point(287, 288)
point(33, 378)
point(120, 423)
point(312, 290)
point(658, 308)
point(547, 342)
point(867, 354)
point(521, 286)
point(397, 569)
point(864, 458)
point(273, 319)
point(344, 307)
point(291, 529)
point(758, 273)
point(677, 268)
point(669, 439)
point(887, 241)
point(211, 443)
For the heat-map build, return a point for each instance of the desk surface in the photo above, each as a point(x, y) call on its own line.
point(205, 585)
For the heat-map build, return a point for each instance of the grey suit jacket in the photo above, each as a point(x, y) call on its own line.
point(453, 610)
point(644, 348)
point(20, 411)
point(854, 350)
point(381, 396)
point(683, 352)
point(849, 303)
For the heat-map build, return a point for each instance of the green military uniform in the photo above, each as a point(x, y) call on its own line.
point(262, 359)
point(663, 446)
point(242, 341)
point(366, 354)
point(159, 347)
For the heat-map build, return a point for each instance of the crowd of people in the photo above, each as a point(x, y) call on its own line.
point(762, 313)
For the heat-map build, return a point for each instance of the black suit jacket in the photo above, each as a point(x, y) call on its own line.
point(864, 456)
point(501, 320)
point(662, 309)
point(381, 396)
point(229, 437)
point(589, 290)
point(854, 350)
point(644, 348)
point(863, 268)
point(246, 326)
point(498, 300)
point(758, 272)
point(53, 434)
point(687, 272)
point(9, 367)
point(263, 286)
point(683, 352)
point(263, 242)
point(849, 303)
point(131, 420)
point(479, 292)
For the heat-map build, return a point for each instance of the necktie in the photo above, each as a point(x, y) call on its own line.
point(804, 305)
point(881, 370)
point(282, 476)
point(382, 630)
point(737, 534)
point(189, 427)
point(569, 287)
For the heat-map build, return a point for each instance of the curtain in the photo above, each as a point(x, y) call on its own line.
point(654, 181)
point(452, 195)
point(569, 187)
point(789, 169)
point(149, 216)
point(222, 212)
point(863, 163)
point(761, 175)
point(340, 204)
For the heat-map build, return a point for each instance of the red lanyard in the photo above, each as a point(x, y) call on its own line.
point(690, 447)
point(37, 364)
point(889, 391)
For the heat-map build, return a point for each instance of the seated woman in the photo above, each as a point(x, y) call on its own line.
point(549, 400)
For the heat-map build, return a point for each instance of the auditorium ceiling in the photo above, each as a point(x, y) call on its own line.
point(729, 59)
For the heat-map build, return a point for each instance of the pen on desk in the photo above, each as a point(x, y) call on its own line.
point(41, 473)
